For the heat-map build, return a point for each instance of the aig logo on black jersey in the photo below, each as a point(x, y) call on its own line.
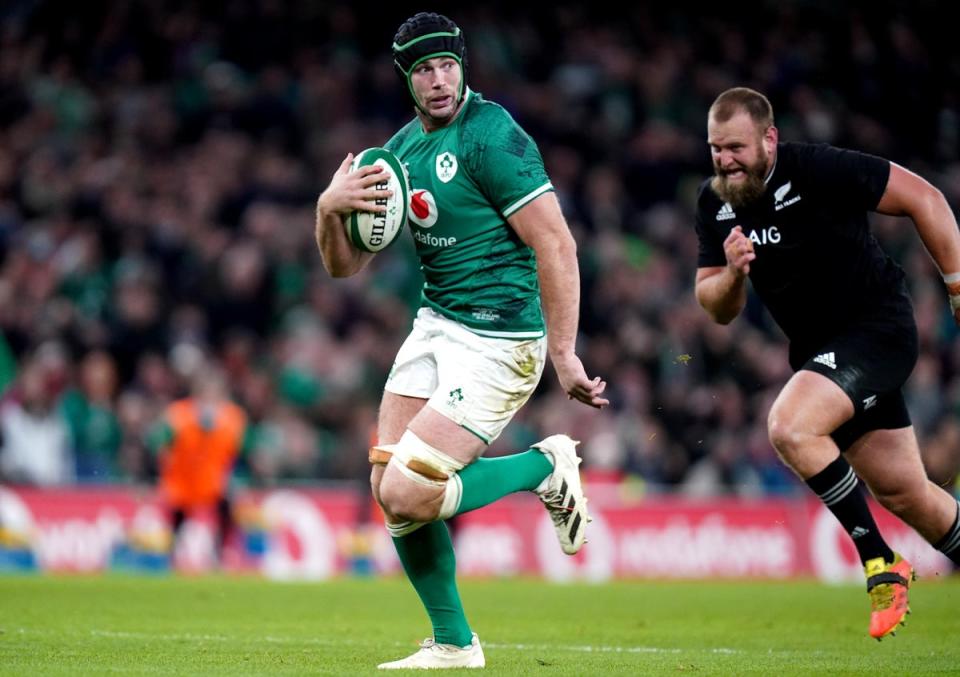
point(769, 235)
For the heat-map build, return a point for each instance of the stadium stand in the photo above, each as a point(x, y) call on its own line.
point(159, 164)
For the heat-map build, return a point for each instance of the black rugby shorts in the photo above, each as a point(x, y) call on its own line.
point(870, 362)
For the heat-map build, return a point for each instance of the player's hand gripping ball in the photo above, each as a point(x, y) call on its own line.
point(375, 231)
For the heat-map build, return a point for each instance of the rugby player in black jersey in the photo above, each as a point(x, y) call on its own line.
point(792, 218)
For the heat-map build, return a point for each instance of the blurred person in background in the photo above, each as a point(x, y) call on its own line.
point(34, 436)
point(479, 342)
point(136, 416)
point(197, 444)
point(793, 218)
point(90, 410)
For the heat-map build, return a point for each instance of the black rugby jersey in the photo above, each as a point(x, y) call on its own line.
point(818, 269)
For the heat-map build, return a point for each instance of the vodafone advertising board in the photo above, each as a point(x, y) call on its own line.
point(315, 534)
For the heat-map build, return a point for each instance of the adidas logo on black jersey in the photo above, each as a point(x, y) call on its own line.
point(726, 212)
point(827, 359)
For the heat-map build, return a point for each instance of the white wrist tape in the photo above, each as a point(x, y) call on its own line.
point(952, 280)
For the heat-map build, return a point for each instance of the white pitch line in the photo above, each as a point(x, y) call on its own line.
point(347, 642)
point(598, 649)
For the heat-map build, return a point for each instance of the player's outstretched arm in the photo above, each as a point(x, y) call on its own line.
point(722, 290)
point(540, 224)
point(348, 192)
point(908, 194)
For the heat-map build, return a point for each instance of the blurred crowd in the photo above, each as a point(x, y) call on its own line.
point(160, 163)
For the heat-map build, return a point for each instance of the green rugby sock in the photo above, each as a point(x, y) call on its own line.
point(428, 559)
point(489, 479)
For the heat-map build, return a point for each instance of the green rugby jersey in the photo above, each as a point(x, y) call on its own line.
point(465, 180)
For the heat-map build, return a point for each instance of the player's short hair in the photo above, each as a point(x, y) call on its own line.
point(737, 99)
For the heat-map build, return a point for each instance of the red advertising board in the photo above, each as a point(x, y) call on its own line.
point(317, 533)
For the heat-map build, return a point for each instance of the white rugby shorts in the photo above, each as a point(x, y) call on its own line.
point(476, 381)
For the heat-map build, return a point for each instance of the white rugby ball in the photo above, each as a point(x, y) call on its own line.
point(375, 231)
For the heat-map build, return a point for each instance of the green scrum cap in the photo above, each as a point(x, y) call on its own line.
point(427, 35)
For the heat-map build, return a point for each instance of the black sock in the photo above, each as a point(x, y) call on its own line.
point(177, 517)
point(839, 489)
point(949, 545)
point(224, 524)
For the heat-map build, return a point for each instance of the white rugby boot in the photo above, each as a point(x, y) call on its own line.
point(433, 656)
point(562, 493)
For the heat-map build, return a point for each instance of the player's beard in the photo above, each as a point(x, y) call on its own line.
point(441, 120)
point(444, 118)
point(746, 191)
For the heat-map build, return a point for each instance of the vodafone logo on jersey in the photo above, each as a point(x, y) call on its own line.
point(423, 208)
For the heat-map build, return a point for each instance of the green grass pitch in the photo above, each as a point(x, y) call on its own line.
point(117, 625)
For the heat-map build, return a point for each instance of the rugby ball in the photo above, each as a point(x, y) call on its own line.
point(375, 231)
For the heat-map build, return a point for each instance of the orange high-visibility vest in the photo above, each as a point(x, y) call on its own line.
point(195, 467)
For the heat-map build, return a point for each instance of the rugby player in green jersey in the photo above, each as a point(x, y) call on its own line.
point(498, 260)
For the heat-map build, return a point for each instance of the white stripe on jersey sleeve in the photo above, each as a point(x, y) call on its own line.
point(527, 198)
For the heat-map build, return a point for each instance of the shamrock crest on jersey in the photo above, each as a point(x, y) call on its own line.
point(446, 166)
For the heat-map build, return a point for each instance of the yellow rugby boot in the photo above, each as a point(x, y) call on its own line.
point(887, 585)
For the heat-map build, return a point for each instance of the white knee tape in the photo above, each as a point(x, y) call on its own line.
point(452, 494)
point(412, 448)
point(403, 528)
point(414, 475)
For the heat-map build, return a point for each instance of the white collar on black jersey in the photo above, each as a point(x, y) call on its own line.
point(766, 181)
